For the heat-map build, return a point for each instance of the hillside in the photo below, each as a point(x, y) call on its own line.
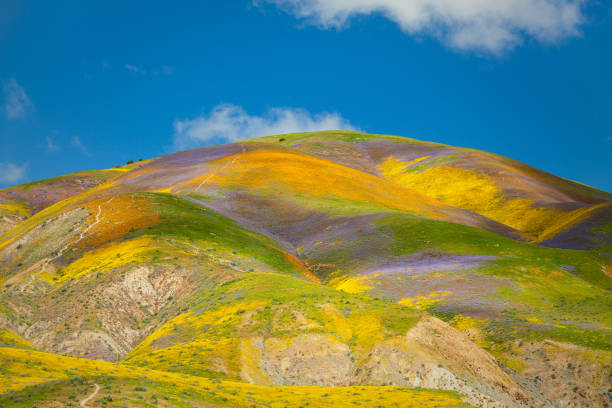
point(322, 269)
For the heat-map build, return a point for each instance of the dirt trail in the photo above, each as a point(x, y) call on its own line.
point(92, 395)
point(45, 261)
point(197, 189)
point(82, 235)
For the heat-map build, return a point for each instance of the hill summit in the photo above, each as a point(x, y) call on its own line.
point(320, 269)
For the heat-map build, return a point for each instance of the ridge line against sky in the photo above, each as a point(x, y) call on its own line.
point(528, 79)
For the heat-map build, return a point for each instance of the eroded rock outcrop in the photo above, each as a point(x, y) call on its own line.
point(431, 355)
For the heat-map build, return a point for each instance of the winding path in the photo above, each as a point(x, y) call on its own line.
point(92, 395)
point(226, 165)
point(90, 226)
point(45, 261)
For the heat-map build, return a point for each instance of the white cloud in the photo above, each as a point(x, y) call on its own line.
point(490, 26)
point(77, 143)
point(230, 123)
point(51, 146)
point(11, 173)
point(135, 69)
point(17, 103)
point(164, 69)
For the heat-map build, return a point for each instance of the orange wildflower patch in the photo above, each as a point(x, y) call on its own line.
point(113, 218)
point(302, 268)
point(310, 176)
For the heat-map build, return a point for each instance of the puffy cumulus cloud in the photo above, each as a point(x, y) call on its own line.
point(16, 100)
point(229, 123)
point(490, 26)
point(11, 173)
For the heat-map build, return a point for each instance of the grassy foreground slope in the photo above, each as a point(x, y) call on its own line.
point(272, 329)
point(31, 378)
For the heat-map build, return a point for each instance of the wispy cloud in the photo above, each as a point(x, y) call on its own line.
point(230, 123)
point(11, 173)
point(135, 69)
point(490, 26)
point(163, 70)
point(77, 143)
point(16, 101)
point(51, 146)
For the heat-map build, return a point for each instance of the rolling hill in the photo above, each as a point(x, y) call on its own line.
point(319, 269)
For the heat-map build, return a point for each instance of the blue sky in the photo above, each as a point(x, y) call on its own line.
point(94, 84)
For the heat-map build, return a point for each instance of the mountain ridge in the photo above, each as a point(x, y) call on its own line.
point(322, 259)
